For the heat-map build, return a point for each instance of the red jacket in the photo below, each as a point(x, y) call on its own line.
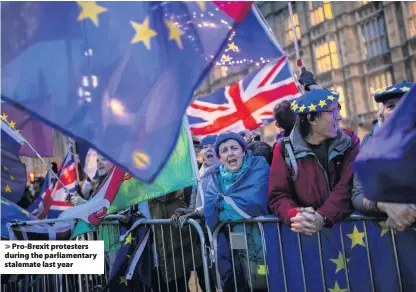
point(310, 188)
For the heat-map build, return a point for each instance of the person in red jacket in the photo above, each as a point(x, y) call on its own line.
point(311, 189)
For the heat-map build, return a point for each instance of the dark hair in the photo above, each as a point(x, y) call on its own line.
point(304, 123)
point(284, 116)
point(262, 149)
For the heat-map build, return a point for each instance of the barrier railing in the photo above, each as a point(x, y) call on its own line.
point(260, 254)
point(359, 254)
point(179, 253)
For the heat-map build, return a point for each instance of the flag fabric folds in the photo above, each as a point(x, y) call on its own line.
point(177, 174)
point(106, 72)
point(132, 267)
point(53, 198)
point(36, 133)
point(13, 171)
point(247, 104)
point(392, 152)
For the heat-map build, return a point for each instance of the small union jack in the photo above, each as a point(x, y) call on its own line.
point(247, 104)
point(52, 200)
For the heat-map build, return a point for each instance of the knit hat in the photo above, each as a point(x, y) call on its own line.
point(210, 139)
point(227, 136)
point(393, 91)
point(315, 101)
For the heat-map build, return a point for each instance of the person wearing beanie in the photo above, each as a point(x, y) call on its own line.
point(195, 209)
point(399, 216)
point(315, 160)
point(235, 189)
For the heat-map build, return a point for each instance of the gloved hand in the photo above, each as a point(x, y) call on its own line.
point(306, 79)
point(76, 199)
point(182, 214)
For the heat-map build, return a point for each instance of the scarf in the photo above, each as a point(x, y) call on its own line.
point(228, 178)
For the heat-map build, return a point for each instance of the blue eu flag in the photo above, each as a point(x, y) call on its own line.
point(118, 75)
point(13, 172)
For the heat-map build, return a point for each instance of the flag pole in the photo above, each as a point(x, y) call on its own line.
point(38, 155)
point(76, 157)
point(193, 157)
point(295, 39)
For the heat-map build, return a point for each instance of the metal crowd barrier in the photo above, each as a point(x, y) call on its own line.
point(161, 229)
point(359, 254)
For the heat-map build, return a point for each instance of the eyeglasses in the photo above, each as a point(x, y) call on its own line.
point(334, 111)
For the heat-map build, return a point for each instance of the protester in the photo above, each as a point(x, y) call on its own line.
point(236, 189)
point(171, 246)
point(109, 235)
point(312, 168)
point(285, 119)
point(260, 148)
point(399, 216)
point(196, 206)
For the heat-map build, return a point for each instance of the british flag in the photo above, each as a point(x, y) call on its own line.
point(52, 200)
point(247, 104)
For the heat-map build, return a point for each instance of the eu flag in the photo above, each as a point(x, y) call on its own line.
point(392, 152)
point(13, 171)
point(11, 212)
point(118, 75)
point(36, 133)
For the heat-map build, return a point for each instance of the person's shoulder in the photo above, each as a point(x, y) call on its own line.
point(352, 134)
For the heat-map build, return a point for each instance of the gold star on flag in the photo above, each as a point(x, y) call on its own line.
point(4, 116)
point(7, 189)
point(356, 237)
point(302, 108)
point(334, 92)
point(12, 177)
point(232, 47)
point(294, 105)
point(337, 289)
point(201, 5)
point(143, 32)
point(381, 90)
point(385, 229)
point(392, 89)
point(12, 124)
point(405, 89)
point(339, 262)
point(123, 280)
point(331, 97)
point(5, 168)
point(175, 33)
point(322, 103)
point(129, 239)
point(312, 107)
point(226, 58)
point(90, 10)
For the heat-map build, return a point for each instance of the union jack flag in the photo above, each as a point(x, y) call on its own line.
point(52, 200)
point(247, 104)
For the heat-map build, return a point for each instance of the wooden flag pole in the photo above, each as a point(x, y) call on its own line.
point(193, 157)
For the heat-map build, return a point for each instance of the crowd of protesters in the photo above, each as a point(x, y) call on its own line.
point(306, 180)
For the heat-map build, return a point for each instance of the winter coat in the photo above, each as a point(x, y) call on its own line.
point(248, 193)
point(163, 208)
point(329, 193)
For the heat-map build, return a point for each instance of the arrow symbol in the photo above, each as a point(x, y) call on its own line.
point(7, 246)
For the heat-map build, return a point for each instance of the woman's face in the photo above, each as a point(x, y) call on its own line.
point(326, 124)
point(231, 155)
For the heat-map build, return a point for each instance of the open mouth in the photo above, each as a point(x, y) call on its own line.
point(210, 156)
point(232, 162)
